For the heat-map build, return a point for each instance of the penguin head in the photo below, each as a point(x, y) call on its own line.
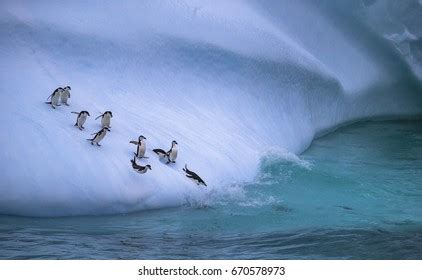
point(173, 143)
point(86, 113)
point(109, 112)
point(141, 138)
point(148, 166)
point(67, 88)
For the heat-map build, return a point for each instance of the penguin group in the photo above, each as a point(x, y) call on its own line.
point(62, 95)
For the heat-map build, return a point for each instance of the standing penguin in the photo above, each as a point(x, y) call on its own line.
point(54, 97)
point(105, 119)
point(139, 168)
point(65, 95)
point(99, 136)
point(171, 154)
point(140, 147)
point(82, 115)
point(193, 176)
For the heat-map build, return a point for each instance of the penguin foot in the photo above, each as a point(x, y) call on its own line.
point(98, 145)
point(80, 128)
point(173, 161)
point(92, 143)
point(66, 104)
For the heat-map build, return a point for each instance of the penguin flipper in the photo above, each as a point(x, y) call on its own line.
point(134, 142)
point(98, 116)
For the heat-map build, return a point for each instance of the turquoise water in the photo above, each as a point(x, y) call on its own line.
point(354, 194)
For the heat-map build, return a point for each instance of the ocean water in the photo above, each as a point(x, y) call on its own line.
point(356, 193)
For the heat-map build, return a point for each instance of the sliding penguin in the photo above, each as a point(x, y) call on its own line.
point(54, 97)
point(65, 95)
point(105, 119)
point(82, 115)
point(140, 147)
point(192, 175)
point(139, 168)
point(99, 136)
point(171, 154)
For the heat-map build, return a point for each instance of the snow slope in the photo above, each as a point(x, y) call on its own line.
point(229, 80)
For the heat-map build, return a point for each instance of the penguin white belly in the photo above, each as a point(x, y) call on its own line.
point(55, 99)
point(173, 154)
point(162, 155)
point(81, 120)
point(100, 137)
point(105, 121)
point(64, 96)
point(194, 180)
point(141, 150)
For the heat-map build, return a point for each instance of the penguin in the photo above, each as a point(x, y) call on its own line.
point(54, 97)
point(141, 147)
point(105, 119)
point(171, 155)
point(192, 175)
point(65, 95)
point(138, 168)
point(82, 115)
point(99, 136)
